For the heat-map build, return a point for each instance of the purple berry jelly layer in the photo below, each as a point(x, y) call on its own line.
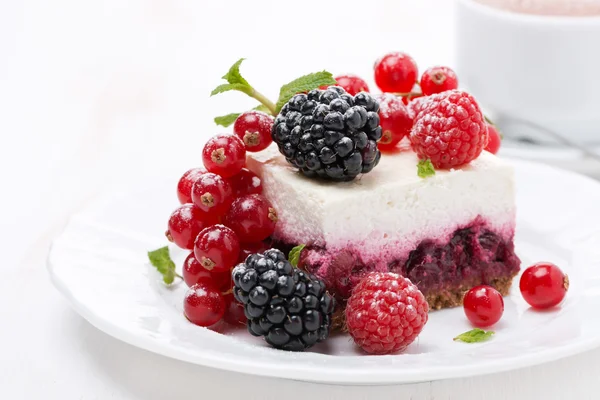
point(472, 256)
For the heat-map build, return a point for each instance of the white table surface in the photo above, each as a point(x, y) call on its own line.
point(96, 93)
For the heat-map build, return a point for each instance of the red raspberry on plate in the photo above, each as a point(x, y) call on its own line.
point(385, 313)
point(449, 129)
point(494, 139)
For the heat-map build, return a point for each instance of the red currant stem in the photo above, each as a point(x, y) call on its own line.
point(409, 94)
point(263, 100)
point(178, 276)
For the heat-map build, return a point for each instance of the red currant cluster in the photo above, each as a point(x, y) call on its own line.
point(223, 218)
point(543, 286)
point(396, 75)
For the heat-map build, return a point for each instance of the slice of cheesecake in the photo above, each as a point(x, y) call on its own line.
point(447, 233)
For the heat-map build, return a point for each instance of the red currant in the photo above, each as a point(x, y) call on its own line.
point(184, 225)
point(194, 272)
point(254, 128)
point(352, 84)
point(217, 248)
point(203, 304)
point(494, 139)
point(184, 186)
point(483, 306)
point(437, 80)
point(252, 217)
point(544, 285)
point(224, 155)
point(234, 311)
point(396, 72)
point(245, 182)
point(395, 120)
point(212, 194)
point(252, 248)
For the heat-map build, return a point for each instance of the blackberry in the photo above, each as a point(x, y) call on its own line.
point(290, 308)
point(329, 133)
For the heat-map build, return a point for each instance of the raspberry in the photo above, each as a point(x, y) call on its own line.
point(483, 306)
point(329, 134)
point(396, 121)
point(290, 308)
point(254, 128)
point(449, 129)
point(352, 84)
point(385, 313)
point(494, 139)
point(437, 80)
point(224, 155)
point(396, 72)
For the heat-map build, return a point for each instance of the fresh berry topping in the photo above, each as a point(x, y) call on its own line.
point(396, 72)
point(329, 133)
point(254, 128)
point(234, 311)
point(184, 225)
point(212, 194)
point(184, 186)
point(252, 248)
point(217, 248)
point(224, 155)
point(203, 304)
point(494, 139)
point(194, 272)
point(290, 308)
point(396, 122)
point(352, 84)
point(437, 80)
point(449, 129)
point(483, 306)
point(385, 313)
point(544, 285)
point(252, 218)
point(245, 182)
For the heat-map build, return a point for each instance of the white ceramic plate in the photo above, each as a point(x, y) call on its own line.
point(99, 264)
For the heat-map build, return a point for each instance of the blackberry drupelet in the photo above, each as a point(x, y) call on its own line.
point(329, 133)
point(289, 307)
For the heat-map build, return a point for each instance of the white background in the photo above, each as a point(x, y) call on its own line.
point(97, 93)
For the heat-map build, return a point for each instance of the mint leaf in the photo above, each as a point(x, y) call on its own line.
point(233, 76)
point(303, 84)
point(425, 168)
point(161, 259)
point(294, 255)
point(474, 336)
point(226, 87)
point(226, 120)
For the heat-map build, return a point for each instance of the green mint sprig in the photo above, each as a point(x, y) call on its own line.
point(425, 168)
point(236, 82)
point(161, 259)
point(474, 336)
point(294, 255)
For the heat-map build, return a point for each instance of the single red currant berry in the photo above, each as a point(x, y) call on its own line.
point(245, 182)
point(217, 248)
point(483, 306)
point(494, 139)
point(352, 84)
point(184, 186)
point(254, 128)
point(437, 80)
point(184, 225)
point(544, 285)
point(224, 155)
point(395, 121)
point(396, 72)
point(194, 272)
point(252, 217)
point(234, 311)
point(212, 194)
point(203, 304)
point(252, 248)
